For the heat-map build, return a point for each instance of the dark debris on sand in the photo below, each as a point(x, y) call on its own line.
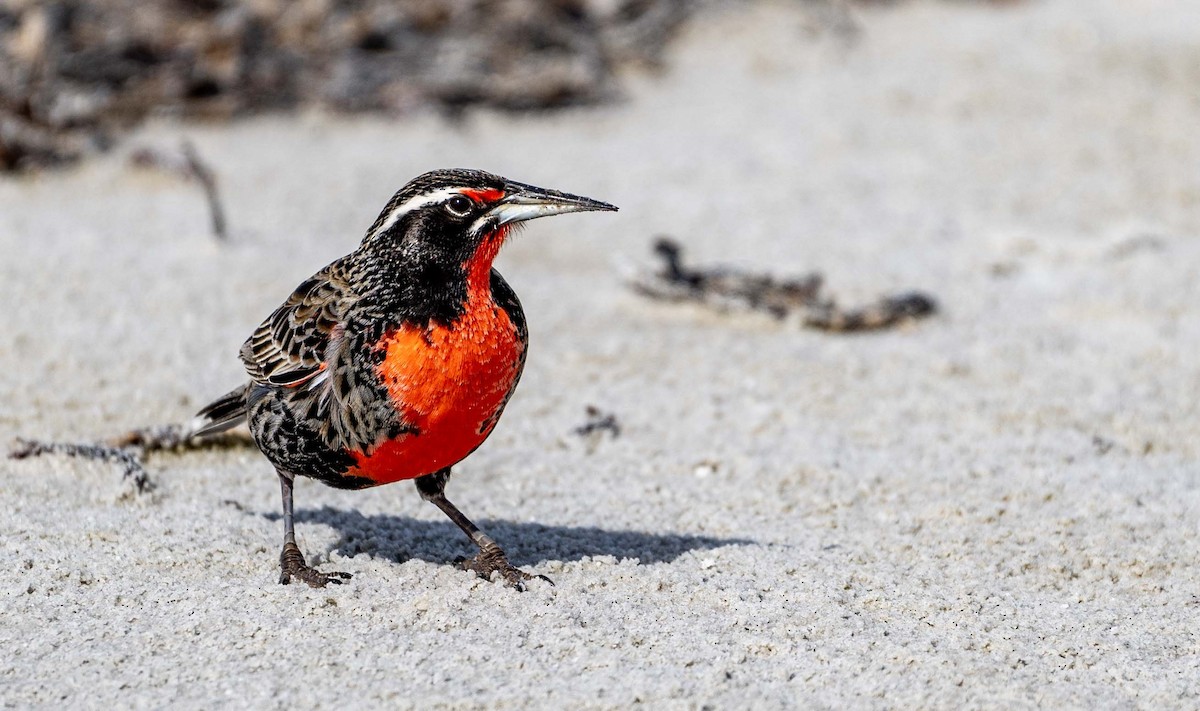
point(75, 73)
point(129, 450)
point(729, 289)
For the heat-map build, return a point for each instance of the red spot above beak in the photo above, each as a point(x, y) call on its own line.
point(486, 197)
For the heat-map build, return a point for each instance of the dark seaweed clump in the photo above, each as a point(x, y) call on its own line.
point(75, 73)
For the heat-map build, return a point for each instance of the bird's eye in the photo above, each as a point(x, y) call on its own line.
point(459, 205)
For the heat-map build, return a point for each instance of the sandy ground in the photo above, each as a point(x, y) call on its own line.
point(993, 508)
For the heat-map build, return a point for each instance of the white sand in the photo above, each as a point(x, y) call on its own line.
point(994, 508)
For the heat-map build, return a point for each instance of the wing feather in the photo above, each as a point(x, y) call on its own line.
point(289, 347)
point(312, 344)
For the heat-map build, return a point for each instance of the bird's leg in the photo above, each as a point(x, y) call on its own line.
point(291, 560)
point(491, 557)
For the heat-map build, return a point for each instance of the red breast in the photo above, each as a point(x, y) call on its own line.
point(450, 383)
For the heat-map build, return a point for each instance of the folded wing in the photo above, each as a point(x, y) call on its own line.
point(311, 345)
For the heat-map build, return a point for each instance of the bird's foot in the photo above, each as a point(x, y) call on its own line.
point(494, 561)
point(292, 565)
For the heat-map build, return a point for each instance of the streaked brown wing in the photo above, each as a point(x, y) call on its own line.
point(290, 347)
point(313, 343)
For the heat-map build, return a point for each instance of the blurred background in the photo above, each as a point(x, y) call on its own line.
point(75, 74)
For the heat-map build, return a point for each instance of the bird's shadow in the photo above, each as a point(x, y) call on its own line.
point(401, 538)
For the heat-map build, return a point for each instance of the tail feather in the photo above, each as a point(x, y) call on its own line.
point(226, 412)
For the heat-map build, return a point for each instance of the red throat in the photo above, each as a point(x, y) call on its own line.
point(479, 266)
point(450, 382)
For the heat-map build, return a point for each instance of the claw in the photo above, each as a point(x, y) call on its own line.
point(292, 564)
point(313, 577)
point(494, 561)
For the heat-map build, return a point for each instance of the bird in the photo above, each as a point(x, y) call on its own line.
point(395, 361)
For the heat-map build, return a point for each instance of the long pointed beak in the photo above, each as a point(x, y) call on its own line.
point(526, 202)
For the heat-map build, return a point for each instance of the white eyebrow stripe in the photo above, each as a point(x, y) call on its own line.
point(416, 203)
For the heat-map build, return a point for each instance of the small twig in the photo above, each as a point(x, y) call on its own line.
point(886, 312)
point(235, 504)
point(155, 438)
point(129, 458)
point(599, 421)
point(723, 288)
point(130, 449)
point(208, 181)
point(596, 427)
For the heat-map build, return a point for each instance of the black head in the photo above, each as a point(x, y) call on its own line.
point(450, 214)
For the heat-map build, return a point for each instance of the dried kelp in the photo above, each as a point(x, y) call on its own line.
point(130, 449)
point(74, 73)
point(729, 289)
